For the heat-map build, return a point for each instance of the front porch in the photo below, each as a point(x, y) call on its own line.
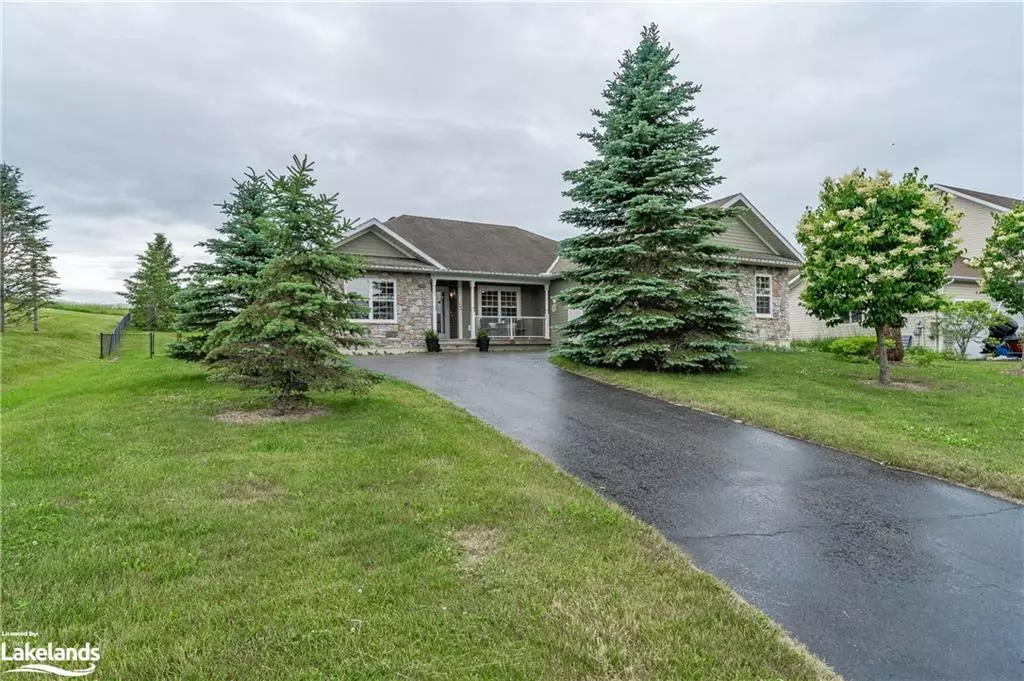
point(512, 312)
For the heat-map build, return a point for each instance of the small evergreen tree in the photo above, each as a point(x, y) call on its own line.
point(35, 282)
point(288, 340)
point(152, 290)
point(879, 248)
point(649, 280)
point(22, 226)
point(219, 290)
point(1002, 261)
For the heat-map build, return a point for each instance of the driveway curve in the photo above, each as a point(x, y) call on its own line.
point(883, 574)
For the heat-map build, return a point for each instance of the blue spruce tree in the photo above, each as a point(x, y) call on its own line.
point(649, 280)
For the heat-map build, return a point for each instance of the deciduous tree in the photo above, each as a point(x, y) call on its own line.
point(649, 280)
point(965, 321)
point(1002, 261)
point(878, 247)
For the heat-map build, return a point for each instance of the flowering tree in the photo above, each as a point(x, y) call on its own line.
point(1002, 261)
point(879, 248)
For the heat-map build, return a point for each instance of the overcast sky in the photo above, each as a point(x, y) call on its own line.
point(132, 119)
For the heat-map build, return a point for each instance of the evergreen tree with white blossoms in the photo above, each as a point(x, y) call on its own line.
point(649, 280)
point(877, 247)
point(1002, 261)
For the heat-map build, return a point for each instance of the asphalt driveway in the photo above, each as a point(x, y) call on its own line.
point(881, 573)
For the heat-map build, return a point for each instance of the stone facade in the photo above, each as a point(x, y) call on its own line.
point(772, 330)
point(415, 301)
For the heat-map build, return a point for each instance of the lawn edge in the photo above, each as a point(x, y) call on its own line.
point(860, 455)
point(744, 607)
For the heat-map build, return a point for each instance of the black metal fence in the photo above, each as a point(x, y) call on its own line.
point(110, 341)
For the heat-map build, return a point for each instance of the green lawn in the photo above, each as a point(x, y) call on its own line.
point(965, 425)
point(395, 538)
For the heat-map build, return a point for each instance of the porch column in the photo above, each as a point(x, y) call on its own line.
point(547, 310)
point(459, 305)
point(472, 308)
point(433, 303)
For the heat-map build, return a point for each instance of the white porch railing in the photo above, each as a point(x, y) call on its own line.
point(512, 327)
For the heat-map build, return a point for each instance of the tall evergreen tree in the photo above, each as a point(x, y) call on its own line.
point(152, 290)
point(220, 289)
point(22, 226)
point(289, 339)
point(35, 280)
point(649, 282)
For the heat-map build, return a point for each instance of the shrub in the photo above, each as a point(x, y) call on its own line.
point(923, 356)
point(856, 346)
point(819, 344)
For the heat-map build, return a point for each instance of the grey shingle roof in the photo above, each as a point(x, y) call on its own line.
point(477, 246)
point(404, 264)
point(1004, 201)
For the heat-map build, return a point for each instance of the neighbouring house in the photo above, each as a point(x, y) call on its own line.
point(979, 210)
point(457, 277)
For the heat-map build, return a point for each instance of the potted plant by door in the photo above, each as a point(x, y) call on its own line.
point(433, 342)
point(483, 341)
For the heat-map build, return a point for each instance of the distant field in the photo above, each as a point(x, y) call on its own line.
point(94, 308)
point(396, 537)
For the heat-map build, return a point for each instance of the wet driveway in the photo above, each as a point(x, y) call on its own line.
point(881, 573)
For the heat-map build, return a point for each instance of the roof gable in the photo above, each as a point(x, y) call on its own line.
point(379, 246)
point(752, 223)
point(993, 201)
point(476, 246)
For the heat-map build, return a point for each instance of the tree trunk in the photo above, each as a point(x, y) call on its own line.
point(883, 356)
point(35, 319)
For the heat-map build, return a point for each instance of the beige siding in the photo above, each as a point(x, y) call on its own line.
point(975, 226)
point(559, 311)
point(371, 244)
point(806, 327)
point(740, 236)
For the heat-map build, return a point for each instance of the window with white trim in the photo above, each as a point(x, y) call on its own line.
point(763, 295)
point(380, 304)
point(499, 302)
point(855, 317)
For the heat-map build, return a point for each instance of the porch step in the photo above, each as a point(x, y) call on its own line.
point(497, 344)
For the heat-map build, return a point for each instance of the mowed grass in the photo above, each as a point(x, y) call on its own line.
point(966, 424)
point(64, 338)
point(395, 538)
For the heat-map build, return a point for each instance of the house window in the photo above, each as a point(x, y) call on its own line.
point(763, 295)
point(499, 302)
point(854, 317)
point(380, 304)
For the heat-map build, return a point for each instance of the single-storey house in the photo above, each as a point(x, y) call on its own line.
point(979, 210)
point(457, 277)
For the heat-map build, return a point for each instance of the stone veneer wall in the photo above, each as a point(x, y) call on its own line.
point(763, 330)
point(415, 302)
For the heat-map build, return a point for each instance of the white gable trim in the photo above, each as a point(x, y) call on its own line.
point(400, 243)
point(759, 237)
point(972, 199)
point(740, 198)
point(552, 265)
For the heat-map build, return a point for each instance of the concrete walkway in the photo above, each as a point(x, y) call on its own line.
point(881, 573)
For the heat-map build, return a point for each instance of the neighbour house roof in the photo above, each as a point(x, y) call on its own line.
point(961, 270)
point(992, 200)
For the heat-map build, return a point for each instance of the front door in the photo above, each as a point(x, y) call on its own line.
point(441, 312)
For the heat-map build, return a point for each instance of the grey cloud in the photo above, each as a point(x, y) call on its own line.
point(129, 119)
